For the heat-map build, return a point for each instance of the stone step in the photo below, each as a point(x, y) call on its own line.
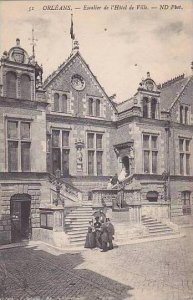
point(78, 217)
point(77, 225)
point(150, 221)
point(81, 212)
point(78, 239)
point(77, 220)
point(160, 234)
point(75, 245)
point(160, 230)
point(77, 229)
point(122, 238)
point(70, 227)
point(156, 226)
point(77, 233)
point(76, 212)
point(87, 211)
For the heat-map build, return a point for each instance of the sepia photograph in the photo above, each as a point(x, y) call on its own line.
point(96, 150)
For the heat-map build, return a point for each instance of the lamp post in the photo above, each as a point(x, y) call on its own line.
point(58, 184)
point(58, 209)
point(165, 179)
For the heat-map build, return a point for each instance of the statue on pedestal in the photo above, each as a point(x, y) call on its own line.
point(79, 155)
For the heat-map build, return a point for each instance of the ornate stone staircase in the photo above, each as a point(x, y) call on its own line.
point(76, 223)
point(155, 227)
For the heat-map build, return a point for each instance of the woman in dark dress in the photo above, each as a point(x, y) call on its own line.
point(104, 237)
point(90, 237)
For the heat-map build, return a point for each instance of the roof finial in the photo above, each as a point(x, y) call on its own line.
point(18, 42)
point(192, 66)
point(75, 47)
point(148, 74)
point(33, 40)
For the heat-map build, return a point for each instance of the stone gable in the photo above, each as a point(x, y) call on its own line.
point(78, 100)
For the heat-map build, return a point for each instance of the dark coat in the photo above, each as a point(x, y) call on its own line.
point(104, 233)
point(90, 238)
point(110, 230)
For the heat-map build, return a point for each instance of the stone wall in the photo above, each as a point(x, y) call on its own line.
point(178, 185)
point(156, 211)
point(7, 190)
point(37, 118)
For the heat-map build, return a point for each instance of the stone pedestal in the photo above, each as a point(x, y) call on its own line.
point(58, 216)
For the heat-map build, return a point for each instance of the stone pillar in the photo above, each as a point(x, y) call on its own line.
point(58, 214)
point(132, 160)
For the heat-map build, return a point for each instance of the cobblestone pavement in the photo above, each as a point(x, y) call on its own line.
point(159, 270)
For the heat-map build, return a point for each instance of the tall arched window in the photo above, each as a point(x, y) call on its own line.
point(90, 107)
point(11, 81)
point(153, 108)
point(64, 104)
point(25, 87)
point(98, 106)
point(181, 113)
point(186, 115)
point(145, 107)
point(56, 102)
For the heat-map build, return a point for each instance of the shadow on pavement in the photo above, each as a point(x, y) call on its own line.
point(30, 273)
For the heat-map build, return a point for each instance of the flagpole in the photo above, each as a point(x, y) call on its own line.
point(72, 30)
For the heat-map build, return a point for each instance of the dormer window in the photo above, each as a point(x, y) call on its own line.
point(25, 82)
point(150, 108)
point(153, 108)
point(94, 107)
point(181, 114)
point(11, 83)
point(56, 102)
point(145, 107)
point(64, 106)
point(184, 114)
point(98, 103)
point(61, 102)
point(90, 107)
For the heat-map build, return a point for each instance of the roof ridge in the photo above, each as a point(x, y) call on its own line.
point(124, 101)
point(179, 94)
point(54, 73)
point(173, 80)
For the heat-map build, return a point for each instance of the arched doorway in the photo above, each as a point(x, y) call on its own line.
point(20, 208)
point(126, 165)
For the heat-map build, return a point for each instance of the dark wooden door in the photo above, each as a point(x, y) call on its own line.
point(20, 220)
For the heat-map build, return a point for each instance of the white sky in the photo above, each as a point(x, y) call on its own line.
point(119, 46)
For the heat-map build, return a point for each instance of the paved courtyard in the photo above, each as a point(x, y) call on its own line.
point(159, 270)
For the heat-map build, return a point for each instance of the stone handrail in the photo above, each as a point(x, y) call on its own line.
point(127, 180)
point(103, 196)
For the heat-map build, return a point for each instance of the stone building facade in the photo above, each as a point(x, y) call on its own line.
point(69, 123)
